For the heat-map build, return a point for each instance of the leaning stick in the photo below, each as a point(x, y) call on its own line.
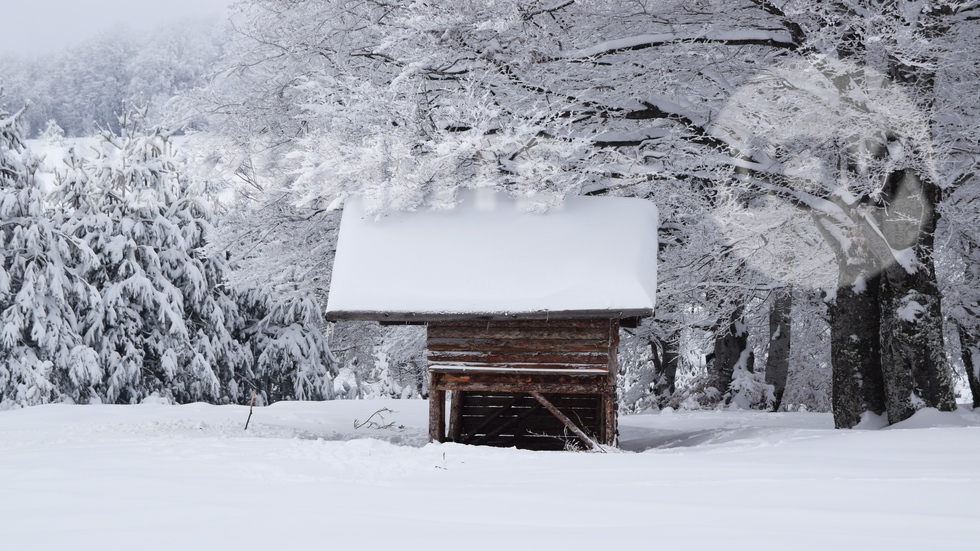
point(566, 421)
point(251, 402)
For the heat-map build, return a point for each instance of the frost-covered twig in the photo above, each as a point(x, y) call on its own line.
point(375, 424)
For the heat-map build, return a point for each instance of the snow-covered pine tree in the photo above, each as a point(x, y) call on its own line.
point(42, 355)
point(292, 360)
point(165, 315)
point(211, 311)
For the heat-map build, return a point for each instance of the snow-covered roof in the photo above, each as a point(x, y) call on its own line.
point(487, 257)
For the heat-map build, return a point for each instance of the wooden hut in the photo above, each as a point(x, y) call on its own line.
point(522, 309)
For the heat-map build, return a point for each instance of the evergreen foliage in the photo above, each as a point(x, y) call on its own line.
point(111, 297)
point(42, 355)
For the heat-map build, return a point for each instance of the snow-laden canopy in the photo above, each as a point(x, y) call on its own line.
point(488, 257)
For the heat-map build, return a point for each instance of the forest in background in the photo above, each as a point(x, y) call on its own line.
point(86, 88)
point(860, 116)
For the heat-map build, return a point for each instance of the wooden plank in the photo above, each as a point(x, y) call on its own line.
point(489, 419)
point(562, 333)
point(550, 370)
point(565, 420)
point(517, 345)
point(506, 425)
point(573, 358)
point(531, 427)
point(543, 423)
point(584, 402)
point(591, 423)
point(476, 403)
point(593, 388)
point(585, 376)
point(545, 419)
point(496, 377)
point(565, 383)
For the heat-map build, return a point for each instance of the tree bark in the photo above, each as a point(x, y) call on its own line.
point(970, 352)
point(913, 358)
point(855, 354)
point(855, 332)
point(777, 360)
point(729, 347)
point(666, 357)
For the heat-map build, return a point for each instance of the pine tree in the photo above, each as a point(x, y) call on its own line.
point(165, 316)
point(292, 361)
point(42, 355)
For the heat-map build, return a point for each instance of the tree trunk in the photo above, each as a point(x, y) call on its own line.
point(729, 348)
point(855, 336)
point(855, 353)
point(777, 360)
point(970, 352)
point(666, 356)
point(913, 352)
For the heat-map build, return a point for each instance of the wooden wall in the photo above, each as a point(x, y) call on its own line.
point(524, 383)
point(568, 344)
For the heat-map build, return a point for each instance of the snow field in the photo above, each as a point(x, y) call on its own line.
point(164, 477)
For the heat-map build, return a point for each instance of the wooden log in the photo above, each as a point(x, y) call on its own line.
point(565, 420)
point(566, 377)
point(561, 333)
point(549, 370)
point(437, 409)
point(582, 388)
point(542, 358)
point(439, 344)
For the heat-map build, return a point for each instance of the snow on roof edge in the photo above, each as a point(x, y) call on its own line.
point(592, 255)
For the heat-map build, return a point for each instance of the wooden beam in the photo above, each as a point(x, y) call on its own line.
point(523, 343)
point(609, 436)
point(574, 388)
point(522, 358)
point(593, 371)
point(503, 331)
point(565, 420)
point(437, 410)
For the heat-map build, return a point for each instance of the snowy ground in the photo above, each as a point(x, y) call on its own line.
point(302, 477)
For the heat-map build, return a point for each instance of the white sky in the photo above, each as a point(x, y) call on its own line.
point(38, 26)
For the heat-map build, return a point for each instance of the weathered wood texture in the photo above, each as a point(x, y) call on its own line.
point(437, 414)
point(569, 424)
point(564, 382)
point(519, 420)
point(494, 369)
point(539, 343)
